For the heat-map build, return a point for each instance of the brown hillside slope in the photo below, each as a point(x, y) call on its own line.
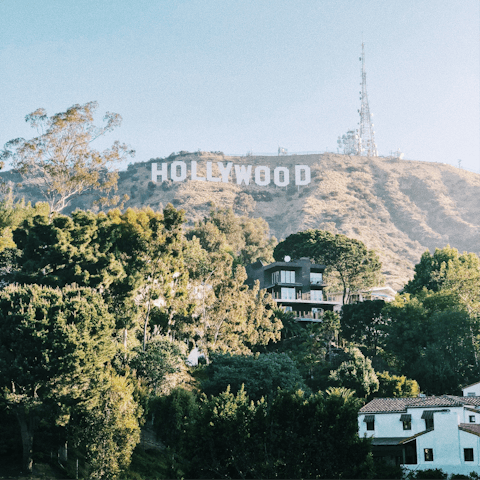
point(400, 208)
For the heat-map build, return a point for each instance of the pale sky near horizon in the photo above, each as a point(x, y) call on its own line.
point(241, 75)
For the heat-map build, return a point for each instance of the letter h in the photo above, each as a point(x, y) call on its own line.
point(163, 173)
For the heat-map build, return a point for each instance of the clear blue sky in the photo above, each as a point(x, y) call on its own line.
point(239, 75)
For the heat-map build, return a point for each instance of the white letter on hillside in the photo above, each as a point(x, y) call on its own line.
point(243, 174)
point(298, 175)
point(194, 172)
point(276, 177)
point(183, 171)
point(258, 176)
point(210, 177)
point(163, 173)
point(225, 171)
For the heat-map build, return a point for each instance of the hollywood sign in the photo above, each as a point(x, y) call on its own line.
point(178, 171)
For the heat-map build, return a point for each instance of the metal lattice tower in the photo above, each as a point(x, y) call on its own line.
point(365, 145)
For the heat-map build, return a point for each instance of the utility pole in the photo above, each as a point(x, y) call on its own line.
point(365, 138)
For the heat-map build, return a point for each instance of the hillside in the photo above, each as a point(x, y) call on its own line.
point(400, 208)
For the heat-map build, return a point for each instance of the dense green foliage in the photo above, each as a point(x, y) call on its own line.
point(110, 304)
point(396, 386)
point(356, 373)
point(290, 436)
point(54, 349)
point(260, 375)
point(364, 323)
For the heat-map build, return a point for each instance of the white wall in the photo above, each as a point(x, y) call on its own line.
point(389, 424)
point(472, 389)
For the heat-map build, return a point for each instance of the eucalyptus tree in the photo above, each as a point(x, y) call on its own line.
point(60, 161)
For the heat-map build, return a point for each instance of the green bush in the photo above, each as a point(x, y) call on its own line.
point(430, 473)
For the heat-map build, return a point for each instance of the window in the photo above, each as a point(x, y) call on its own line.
point(470, 394)
point(287, 309)
point(316, 295)
point(428, 452)
point(407, 424)
point(284, 276)
point(406, 419)
point(471, 418)
point(427, 415)
point(288, 293)
point(468, 454)
point(370, 421)
point(316, 278)
point(287, 276)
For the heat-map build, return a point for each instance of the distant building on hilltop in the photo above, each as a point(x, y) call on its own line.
point(375, 293)
point(296, 286)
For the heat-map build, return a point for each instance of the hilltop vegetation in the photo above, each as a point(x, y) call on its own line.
point(396, 207)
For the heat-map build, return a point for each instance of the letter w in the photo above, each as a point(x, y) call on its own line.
point(243, 174)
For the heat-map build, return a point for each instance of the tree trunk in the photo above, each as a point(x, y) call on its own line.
point(26, 429)
point(145, 326)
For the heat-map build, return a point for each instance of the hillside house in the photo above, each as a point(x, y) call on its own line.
point(426, 432)
point(385, 293)
point(296, 286)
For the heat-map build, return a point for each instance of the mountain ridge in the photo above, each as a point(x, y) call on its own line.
point(400, 208)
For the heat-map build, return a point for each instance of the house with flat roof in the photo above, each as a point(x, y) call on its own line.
point(385, 293)
point(296, 286)
point(425, 432)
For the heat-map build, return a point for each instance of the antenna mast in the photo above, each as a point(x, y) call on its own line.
point(365, 145)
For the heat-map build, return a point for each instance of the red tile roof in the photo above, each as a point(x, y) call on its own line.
point(392, 405)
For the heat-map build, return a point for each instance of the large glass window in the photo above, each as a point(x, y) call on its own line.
point(316, 295)
point(284, 276)
point(316, 278)
point(287, 276)
point(288, 293)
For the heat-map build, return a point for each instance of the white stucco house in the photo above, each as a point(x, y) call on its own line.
point(426, 432)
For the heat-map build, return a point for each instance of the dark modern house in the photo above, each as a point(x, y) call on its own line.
point(296, 286)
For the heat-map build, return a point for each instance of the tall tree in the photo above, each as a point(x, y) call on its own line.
point(54, 347)
point(347, 260)
point(248, 239)
point(448, 270)
point(434, 340)
point(60, 160)
point(396, 386)
point(364, 323)
point(236, 318)
point(356, 374)
point(110, 430)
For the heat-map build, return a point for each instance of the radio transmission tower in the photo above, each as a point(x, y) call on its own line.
point(365, 134)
